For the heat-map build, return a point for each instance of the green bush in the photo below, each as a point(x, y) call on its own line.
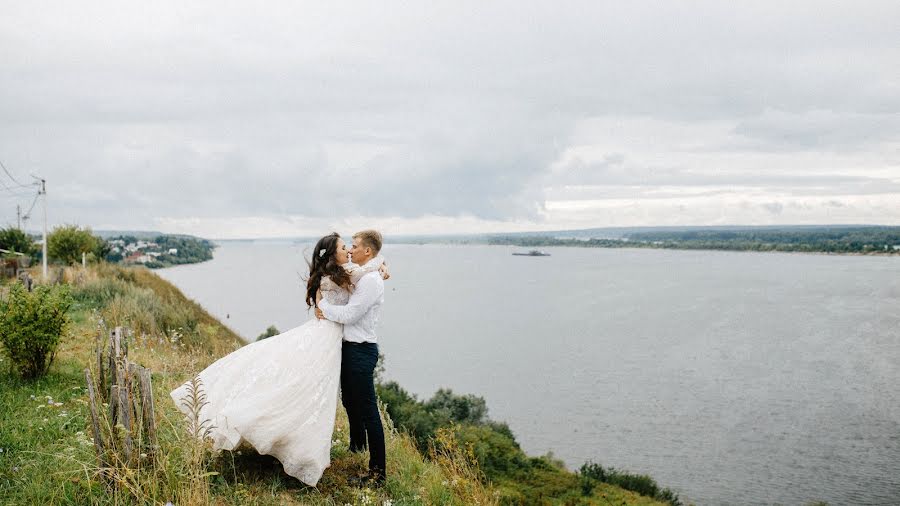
point(592, 473)
point(13, 239)
point(271, 331)
point(31, 325)
point(459, 408)
point(66, 243)
point(497, 453)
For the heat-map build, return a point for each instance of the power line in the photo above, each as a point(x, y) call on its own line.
point(14, 180)
point(14, 194)
point(33, 202)
point(14, 191)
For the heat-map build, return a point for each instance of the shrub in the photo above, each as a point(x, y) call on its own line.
point(497, 453)
point(13, 239)
point(66, 243)
point(31, 325)
point(459, 408)
point(591, 473)
point(271, 331)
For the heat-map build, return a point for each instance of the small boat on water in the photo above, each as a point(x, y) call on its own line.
point(533, 253)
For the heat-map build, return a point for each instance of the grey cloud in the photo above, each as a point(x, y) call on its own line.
point(198, 110)
point(819, 129)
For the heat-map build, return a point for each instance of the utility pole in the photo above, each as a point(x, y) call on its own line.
point(19, 216)
point(44, 253)
point(43, 191)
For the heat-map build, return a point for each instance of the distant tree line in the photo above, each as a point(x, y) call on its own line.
point(871, 240)
point(69, 244)
point(188, 250)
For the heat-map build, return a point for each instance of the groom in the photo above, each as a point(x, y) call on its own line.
point(360, 354)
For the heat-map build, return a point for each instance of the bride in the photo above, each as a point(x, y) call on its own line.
point(279, 395)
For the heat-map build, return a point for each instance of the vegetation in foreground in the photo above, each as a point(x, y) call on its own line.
point(47, 457)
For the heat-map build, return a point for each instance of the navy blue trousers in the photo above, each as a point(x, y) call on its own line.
point(358, 362)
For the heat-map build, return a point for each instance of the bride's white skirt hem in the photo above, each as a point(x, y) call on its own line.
point(278, 395)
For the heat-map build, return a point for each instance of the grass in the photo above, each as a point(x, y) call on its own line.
point(48, 458)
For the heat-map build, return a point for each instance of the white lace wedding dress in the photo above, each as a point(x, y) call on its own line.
point(279, 395)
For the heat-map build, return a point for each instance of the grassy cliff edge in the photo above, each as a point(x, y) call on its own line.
point(46, 454)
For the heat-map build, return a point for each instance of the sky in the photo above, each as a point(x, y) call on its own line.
point(284, 119)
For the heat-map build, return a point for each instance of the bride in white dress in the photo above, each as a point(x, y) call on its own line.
point(279, 395)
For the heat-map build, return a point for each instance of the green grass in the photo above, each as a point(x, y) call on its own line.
point(48, 457)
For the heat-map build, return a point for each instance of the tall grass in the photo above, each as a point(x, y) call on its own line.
point(48, 456)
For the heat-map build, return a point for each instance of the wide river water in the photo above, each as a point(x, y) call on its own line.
point(733, 378)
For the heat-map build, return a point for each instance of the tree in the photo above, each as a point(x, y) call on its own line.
point(271, 331)
point(13, 239)
point(67, 243)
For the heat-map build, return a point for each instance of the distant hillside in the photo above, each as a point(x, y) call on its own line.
point(808, 239)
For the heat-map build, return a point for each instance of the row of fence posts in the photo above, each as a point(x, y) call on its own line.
point(129, 427)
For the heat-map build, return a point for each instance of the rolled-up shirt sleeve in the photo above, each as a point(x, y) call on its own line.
point(369, 291)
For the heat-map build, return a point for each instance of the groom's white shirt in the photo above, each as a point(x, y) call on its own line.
point(360, 314)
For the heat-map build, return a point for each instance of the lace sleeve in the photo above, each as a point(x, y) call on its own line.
point(358, 271)
point(332, 292)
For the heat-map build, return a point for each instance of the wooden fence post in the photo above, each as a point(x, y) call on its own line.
point(130, 404)
point(95, 418)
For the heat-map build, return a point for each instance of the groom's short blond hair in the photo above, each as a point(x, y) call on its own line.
point(370, 238)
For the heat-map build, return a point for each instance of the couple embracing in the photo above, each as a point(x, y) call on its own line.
point(279, 395)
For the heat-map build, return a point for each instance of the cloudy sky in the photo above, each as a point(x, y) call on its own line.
point(281, 119)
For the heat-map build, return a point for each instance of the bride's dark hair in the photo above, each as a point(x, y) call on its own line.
point(323, 264)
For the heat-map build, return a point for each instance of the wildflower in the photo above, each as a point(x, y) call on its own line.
point(387, 502)
point(16, 469)
point(32, 397)
point(143, 455)
point(57, 404)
